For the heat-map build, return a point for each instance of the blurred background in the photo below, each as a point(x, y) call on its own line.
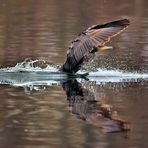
point(43, 29)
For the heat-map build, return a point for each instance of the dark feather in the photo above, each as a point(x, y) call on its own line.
point(83, 46)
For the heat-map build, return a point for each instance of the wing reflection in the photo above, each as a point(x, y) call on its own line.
point(82, 98)
point(93, 110)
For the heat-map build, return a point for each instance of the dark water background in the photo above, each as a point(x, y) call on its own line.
point(43, 29)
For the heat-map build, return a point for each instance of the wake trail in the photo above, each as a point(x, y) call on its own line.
point(38, 72)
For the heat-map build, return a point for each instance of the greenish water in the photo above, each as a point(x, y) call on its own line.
point(36, 111)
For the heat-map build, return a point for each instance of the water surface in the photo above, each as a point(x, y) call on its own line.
point(38, 110)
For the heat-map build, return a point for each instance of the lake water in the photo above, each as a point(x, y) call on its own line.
point(38, 109)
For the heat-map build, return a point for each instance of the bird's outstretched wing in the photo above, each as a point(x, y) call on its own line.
point(83, 46)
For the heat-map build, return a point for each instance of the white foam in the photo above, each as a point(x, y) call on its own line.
point(116, 73)
point(104, 76)
point(49, 74)
point(29, 66)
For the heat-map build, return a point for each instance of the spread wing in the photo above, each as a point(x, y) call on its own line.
point(83, 46)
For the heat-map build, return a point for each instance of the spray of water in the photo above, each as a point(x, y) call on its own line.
point(31, 66)
point(38, 72)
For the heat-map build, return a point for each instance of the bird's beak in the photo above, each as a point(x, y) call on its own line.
point(103, 48)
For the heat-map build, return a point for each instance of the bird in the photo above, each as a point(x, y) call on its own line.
point(83, 48)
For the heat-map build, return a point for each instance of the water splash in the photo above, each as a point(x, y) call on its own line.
point(31, 66)
point(38, 73)
point(32, 74)
point(116, 73)
point(104, 76)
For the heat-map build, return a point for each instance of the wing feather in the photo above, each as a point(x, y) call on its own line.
point(94, 36)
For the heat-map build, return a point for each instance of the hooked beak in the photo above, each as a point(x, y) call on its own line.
point(103, 48)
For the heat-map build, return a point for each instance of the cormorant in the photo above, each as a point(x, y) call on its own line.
point(83, 48)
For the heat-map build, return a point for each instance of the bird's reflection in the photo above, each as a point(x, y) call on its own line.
point(85, 105)
point(81, 96)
